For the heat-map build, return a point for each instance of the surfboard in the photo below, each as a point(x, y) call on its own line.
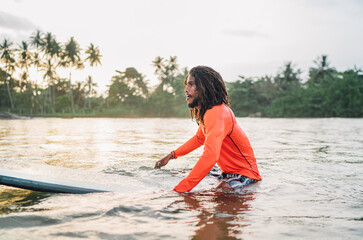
point(46, 184)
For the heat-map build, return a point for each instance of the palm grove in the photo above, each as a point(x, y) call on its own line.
point(326, 93)
point(51, 94)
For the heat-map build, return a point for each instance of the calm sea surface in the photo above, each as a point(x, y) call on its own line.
point(312, 185)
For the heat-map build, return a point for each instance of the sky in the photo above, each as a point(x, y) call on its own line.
point(235, 37)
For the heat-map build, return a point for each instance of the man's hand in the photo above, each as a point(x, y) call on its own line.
point(163, 161)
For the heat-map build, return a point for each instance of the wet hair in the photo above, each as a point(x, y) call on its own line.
point(211, 90)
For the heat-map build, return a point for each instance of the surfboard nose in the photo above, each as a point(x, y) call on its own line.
point(36, 183)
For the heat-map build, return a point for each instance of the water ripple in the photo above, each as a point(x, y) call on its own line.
point(312, 183)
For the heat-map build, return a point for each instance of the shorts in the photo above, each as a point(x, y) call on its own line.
point(236, 180)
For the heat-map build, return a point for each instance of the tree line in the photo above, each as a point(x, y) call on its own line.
point(42, 53)
point(326, 93)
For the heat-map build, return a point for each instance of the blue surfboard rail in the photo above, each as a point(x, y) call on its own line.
point(25, 181)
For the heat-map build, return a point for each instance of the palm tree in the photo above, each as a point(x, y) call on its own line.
point(37, 42)
point(71, 58)
point(6, 56)
point(90, 84)
point(167, 70)
point(93, 55)
point(24, 61)
point(158, 63)
point(172, 65)
point(49, 73)
point(287, 78)
point(321, 71)
point(36, 39)
point(94, 58)
point(171, 71)
point(36, 60)
point(79, 92)
point(51, 50)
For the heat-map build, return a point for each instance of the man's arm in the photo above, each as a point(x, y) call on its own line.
point(215, 133)
point(196, 141)
point(163, 161)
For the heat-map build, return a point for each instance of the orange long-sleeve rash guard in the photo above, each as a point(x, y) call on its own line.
point(224, 142)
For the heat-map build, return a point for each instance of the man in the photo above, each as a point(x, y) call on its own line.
point(224, 141)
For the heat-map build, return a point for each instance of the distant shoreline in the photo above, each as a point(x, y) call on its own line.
point(7, 115)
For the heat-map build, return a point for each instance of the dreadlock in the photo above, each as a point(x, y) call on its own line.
point(211, 90)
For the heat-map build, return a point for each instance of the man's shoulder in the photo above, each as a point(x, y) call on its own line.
point(219, 108)
point(217, 111)
point(219, 114)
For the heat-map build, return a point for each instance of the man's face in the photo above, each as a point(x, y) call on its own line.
point(191, 92)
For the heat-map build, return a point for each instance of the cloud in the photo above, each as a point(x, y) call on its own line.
point(245, 33)
point(13, 22)
point(15, 38)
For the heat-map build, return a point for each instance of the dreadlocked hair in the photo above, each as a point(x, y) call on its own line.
point(211, 90)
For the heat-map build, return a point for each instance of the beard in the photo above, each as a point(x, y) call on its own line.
point(194, 103)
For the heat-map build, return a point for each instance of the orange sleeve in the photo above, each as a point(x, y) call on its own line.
point(195, 142)
point(215, 133)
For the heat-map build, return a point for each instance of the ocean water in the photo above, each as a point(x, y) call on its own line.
point(312, 185)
